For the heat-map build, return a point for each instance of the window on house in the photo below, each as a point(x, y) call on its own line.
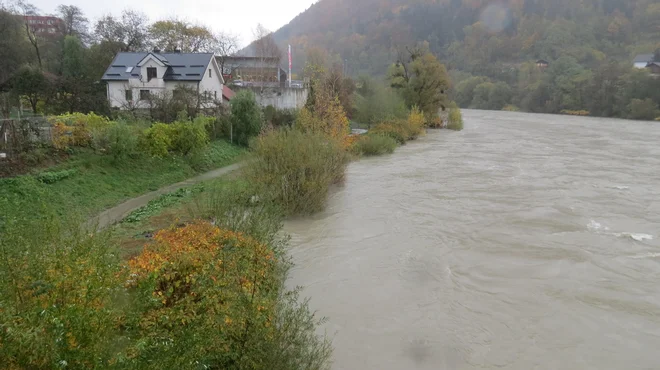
point(210, 72)
point(145, 94)
point(152, 72)
point(215, 95)
point(129, 95)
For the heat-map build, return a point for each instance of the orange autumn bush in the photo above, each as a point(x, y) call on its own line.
point(326, 116)
point(77, 129)
point(214, 290)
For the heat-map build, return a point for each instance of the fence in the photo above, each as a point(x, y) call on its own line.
point(19, 136)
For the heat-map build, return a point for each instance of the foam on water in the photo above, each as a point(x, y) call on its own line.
point(596, 226)
point(635, 236)
point(644, 256)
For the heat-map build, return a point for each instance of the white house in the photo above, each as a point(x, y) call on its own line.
point(133, 77)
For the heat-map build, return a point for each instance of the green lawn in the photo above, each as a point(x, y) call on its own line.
point(87, 183)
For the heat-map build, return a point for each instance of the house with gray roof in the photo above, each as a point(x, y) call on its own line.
point(133, 78)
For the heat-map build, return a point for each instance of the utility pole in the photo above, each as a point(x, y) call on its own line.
point(289, 65)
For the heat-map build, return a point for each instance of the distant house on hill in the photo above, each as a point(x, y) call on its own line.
point(648, 61)
point(643, 60)
point(541, 63)
point(44, 25)
point(133, 78)
point(654, 68)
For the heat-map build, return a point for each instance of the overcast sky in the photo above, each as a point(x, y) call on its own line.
point(238, 17)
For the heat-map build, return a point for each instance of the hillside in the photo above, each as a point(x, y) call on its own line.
point(491, 47)
point(477, 36)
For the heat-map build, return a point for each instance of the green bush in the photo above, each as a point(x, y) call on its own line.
point(393, 129)
point(55, 176)
point(645, 109)
point(157, 140)
point(122, 141)
point(246, 117)
point(375, 103)
point(234, 205)
point(374, 144)
point(296, 169)
point(188, 136)
point(455, 119)
point(280, 117)
point(60, 297)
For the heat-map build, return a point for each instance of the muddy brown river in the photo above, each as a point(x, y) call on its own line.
point(523, 242)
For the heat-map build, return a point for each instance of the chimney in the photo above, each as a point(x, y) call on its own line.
point(156, 50)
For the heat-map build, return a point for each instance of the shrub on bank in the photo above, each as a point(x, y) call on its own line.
point(569, 112)
point(181, 137)
point(296, 168)
point(392, 129)
point(157, 140)
point(246, 117)
point(415, 124)
point(374, 144)
point(279, 117)
point(511, 108)
point(77, 129)
point(455, 118)
point(122, 141)
point(60, 297)
point(199, 297)
point(645, 109)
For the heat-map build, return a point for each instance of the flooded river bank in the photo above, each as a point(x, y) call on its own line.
point(523, 242)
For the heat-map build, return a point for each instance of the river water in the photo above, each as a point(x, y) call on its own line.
point(523, 242)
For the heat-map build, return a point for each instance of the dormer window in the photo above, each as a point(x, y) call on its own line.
point(152, 72)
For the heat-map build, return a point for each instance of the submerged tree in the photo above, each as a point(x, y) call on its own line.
point(422, 81)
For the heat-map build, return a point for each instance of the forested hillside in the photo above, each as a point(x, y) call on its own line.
point(494, 45)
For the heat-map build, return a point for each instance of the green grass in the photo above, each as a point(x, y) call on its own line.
point(89, 183)
point(162, 202)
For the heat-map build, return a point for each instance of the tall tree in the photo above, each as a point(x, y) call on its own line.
point(422, 81)
point(174, 34)
point(73, 61)
point(28, 9)
point(30, 83)
point(224, 45)
point(74, 22)
point(130, 31)
point(266, 49)
point(13, 45)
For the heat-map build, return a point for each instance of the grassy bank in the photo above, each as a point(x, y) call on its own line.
point(88, 182)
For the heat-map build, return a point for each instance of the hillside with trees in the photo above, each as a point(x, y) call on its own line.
point(491, 48)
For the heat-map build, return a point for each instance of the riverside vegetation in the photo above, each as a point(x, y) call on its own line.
point(204, 292)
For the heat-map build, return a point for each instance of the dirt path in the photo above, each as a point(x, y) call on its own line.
point(116, 214)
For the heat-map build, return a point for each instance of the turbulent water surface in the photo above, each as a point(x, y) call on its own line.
point(523, 242)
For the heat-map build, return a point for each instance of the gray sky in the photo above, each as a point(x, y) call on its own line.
point(237, 17)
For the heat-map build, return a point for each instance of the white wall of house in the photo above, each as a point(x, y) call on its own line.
point(212, 81)
point(640, 65)
point(155, 83)
point(117, 91)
